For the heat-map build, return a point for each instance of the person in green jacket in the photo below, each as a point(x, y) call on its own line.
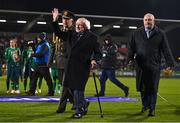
point(29, 66)
point(13, 59)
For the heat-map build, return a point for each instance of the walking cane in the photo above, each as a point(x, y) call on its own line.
point(94, 77)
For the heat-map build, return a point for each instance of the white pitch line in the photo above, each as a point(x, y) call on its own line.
point(162, 97)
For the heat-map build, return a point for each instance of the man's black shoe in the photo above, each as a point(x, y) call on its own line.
point(100, 94)
point(126, 91)
point(86, 108)
point(77, 116)
point(151, 113)
point(144, 109)
point(60, 110)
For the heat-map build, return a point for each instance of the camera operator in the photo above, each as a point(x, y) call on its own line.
point(108, 64)
point(41, 55)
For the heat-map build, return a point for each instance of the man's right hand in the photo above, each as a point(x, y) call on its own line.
point(55, 13)
point(49, 63)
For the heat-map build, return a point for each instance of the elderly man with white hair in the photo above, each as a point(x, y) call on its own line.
point(83, 52)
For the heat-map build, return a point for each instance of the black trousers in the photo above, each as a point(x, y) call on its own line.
point(44, 72)
point(66, 93)
point(60, 75)
point(79, 101)
point(65, 96)
point(149, 100)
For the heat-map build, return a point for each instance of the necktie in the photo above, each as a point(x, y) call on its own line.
point(148, 33)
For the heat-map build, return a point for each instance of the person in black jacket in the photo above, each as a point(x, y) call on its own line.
point(83, 52)
point(145, 47)
point(109, 64)
point(59, 57)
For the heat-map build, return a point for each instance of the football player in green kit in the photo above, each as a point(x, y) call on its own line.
point(13, 58)
point(27, 63)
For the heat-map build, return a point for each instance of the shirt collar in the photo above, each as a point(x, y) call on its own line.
point(147, 30)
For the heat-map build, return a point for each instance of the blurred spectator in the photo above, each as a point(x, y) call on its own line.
point(109, 65)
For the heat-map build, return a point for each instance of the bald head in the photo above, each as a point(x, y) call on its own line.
point(149, 21)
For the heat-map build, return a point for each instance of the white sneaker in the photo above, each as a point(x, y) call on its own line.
point(12, 91)
point(36, 92)
point(59, 91)
point(17, 91)
point(39, 91)
point(8, 91)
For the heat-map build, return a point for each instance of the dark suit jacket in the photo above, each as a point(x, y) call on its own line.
point(81, 50)
point(147, 54)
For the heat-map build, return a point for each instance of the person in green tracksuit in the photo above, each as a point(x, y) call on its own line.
point(8, 62)
point(1, 60)
point(54, 74)
point(28, 68)
point(13, 58)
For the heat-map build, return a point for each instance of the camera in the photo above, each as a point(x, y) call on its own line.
point(31, 42)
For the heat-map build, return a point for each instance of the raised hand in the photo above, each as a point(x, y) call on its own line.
point(55, 13)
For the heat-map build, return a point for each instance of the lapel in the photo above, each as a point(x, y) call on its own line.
point(153, 32)
point(81, 38)
point(143, 32)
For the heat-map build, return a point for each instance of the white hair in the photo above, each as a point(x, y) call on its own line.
point(149, 15)
point(85, 21)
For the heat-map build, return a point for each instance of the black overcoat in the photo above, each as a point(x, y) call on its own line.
point(81, 50)
point(147, 54)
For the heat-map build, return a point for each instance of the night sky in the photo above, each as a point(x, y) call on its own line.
point(162, 9)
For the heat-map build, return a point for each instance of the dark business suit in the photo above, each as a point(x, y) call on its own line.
point(147, 54)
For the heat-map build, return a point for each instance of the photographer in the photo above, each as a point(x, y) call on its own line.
point(41, 55)
point(108, 64)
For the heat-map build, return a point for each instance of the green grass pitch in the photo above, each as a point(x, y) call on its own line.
point(166, 111)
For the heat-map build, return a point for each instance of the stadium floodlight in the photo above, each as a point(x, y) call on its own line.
point(40, 22)
point(132, 27)
point(60, 24)
point(97, 25)
point(3, 21)
point(21, 21)
point(116, 26)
